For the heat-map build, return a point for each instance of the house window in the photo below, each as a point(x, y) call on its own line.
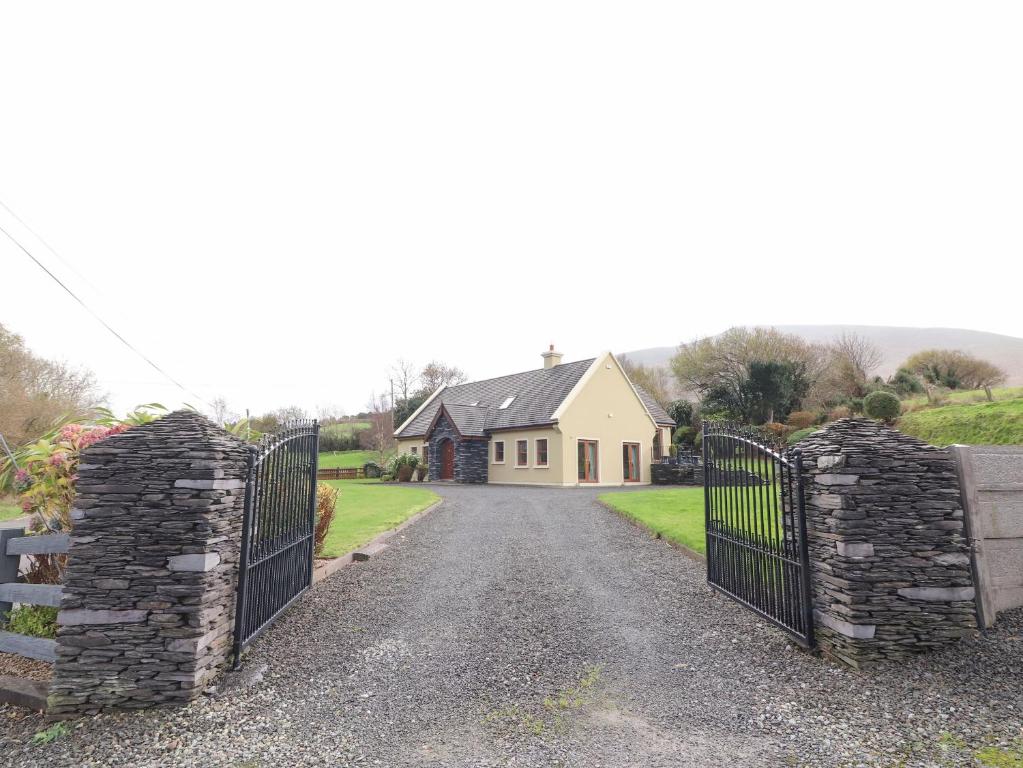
point(508, 401)
point(499, 452)
point(630, 462)
point(415, 450)
point(521, 453)
point(658, 450)
point(426, 454)
point(541, 452)
point(588, 461)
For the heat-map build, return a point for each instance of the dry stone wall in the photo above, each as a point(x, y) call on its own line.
point(147, 613)
point(890, 560)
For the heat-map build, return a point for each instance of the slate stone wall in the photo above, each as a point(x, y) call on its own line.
point(149, 594)
point(472, 457)
point(671, 474)
point(890, 561)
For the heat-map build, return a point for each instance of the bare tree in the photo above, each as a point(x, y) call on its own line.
point(850, 361)
point(436, 374)
point(380, 435)
point(654, 379)
point(405, 377)
point(328, 413)
point(222, 414)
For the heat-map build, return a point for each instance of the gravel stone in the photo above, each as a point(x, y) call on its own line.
point(533, 627)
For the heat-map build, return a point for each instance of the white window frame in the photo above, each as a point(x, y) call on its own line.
point(536, 453)
point(517, 441)
point(504, 453)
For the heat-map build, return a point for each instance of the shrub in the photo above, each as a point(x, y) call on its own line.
point(882, 405)
point(682, 412)
point(799, 434)
point(34, 620)
point(775, 431)
point(683, 435)
point(801, 419)
point(371, 469)
point(326, 507)
point(840, 412)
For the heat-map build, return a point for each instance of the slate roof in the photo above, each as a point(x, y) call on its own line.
point(475, 409)
point(660, 415)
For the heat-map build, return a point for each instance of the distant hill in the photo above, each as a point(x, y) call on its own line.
point(895, 343)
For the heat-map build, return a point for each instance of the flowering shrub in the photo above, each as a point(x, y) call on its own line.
point(46, 482)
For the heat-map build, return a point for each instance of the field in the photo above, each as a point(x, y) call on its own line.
point(997, 423)
point(345, 427)
point(365, 509)
point(348, 459)
point(676, 514)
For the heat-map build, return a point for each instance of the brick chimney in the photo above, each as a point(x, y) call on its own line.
point(551, 358)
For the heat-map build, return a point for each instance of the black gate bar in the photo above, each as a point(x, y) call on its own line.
point(755, 517)
point(276, 562)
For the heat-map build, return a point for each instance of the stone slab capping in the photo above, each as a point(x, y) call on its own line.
point(889, 557)
point(146, 617)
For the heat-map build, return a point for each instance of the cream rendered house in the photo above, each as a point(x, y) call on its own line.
point(581, 423)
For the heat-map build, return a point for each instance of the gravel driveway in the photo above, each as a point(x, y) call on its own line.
point(533, 627)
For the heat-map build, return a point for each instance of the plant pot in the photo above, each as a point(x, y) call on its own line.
point(404, 474)
point(420, 473)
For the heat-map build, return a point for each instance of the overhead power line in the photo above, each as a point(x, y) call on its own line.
point(92, 312)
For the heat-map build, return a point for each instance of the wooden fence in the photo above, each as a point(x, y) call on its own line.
point(341, 473)
point(13, 544)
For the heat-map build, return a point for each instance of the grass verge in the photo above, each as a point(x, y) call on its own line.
point(675, 514)
point(997, 423)
point(366, 509)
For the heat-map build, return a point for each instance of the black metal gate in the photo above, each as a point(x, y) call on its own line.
point(756, 526)
point(277, 535)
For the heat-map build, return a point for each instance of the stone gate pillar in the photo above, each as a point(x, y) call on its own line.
point(146, 617)
point(889, 558)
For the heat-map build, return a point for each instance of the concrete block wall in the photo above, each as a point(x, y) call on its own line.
point(889, 556)
point(992, 490)
point(147, 613)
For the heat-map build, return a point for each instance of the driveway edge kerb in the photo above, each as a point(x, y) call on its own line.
point(692, 554)
point(336, 564)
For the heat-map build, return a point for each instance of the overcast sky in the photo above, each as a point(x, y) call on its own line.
point(275, 202)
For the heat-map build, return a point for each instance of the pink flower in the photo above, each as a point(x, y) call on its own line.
point(59, 459)
point(26, 505)
point(21, 476)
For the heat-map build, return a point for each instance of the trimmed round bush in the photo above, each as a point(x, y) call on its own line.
point(371, 469)
point(882, 405)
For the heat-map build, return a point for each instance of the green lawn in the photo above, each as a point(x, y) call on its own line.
point(9, 511)
point(365, 509)
point(997, 423)
point(677, 514)
point(345, 427)
point(347, 459)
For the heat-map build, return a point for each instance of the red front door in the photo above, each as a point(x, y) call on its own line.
point(447, 460)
